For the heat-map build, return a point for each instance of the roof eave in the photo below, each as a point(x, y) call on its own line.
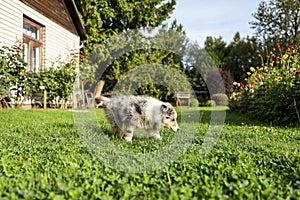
point(76, 19)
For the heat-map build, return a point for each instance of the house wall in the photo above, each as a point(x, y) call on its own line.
point(59, 42)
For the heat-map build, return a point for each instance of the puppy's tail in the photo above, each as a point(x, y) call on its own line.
point(104, 99)
point(101, 101)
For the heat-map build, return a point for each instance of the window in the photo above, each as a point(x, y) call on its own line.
point(33, 44)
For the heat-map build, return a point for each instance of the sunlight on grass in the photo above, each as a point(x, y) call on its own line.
point(42, 157)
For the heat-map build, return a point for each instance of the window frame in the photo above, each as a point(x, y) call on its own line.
point(29, 45)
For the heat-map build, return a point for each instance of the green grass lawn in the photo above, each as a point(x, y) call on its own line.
point(43, 157)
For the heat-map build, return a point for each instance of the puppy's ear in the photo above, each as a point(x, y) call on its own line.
point(164, 108)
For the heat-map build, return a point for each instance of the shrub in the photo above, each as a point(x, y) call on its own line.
point(220, 99)
point(58, 82)
point(194, 102)
point(211, 103)
point(16, 84)
point(217, 86)
point(272, 91)
point(13, 77)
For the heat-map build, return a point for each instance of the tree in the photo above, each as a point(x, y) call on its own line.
point(237, 56)
point(278, 21)
point(216, 47)
point(198, 63)
point(104, 18)
point(242, 54)
point(119, 55)
point(166, 48)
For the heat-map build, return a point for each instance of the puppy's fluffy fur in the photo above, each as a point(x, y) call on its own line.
point(125, 113)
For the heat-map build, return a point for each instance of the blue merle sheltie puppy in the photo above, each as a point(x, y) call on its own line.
point(126, 113)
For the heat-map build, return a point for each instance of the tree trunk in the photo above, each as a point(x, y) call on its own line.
point(98, 89)
point(97, 92)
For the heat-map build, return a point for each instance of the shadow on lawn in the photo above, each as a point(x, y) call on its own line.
point(214, 115)
point(204, 115)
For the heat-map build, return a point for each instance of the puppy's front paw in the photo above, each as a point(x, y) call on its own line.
point(158, 137)
point(128, 139)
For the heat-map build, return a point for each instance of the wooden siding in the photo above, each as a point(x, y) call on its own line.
point(55, 10)
point(59, 42)
point(11, 22)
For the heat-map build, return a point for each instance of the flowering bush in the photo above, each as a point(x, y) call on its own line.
point(17, 84)
point(13, 77)
point(272, 91)
point(58, 82)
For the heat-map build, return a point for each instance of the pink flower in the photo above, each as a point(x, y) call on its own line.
point(242, 85)
point(294, 72)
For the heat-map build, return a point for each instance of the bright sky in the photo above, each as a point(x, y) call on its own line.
point(202, 18)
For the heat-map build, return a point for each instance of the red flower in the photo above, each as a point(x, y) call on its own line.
point(242, 85)
point(291, 47)
point(252, 83)
point(277, 59)
point(278, 46)
point(258, 78)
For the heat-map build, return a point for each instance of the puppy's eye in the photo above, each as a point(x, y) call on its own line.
point(173, 120)
point(167, 117)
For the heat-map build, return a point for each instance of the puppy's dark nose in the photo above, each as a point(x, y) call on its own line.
point(178, 129)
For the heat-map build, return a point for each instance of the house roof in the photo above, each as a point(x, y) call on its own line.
point(63, 12)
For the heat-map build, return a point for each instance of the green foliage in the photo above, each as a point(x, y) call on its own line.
point(219, 81)
point(13, 77)
point(58, 82)
point(242, 54)
point(114, 45)
point(210, 103)
point(220, 99)
point(104, 18)
point(236, 57)
point(120, 56)
point(204, 73)
point(42, 157)
point(278, 21)
point(194, 102)
point(216, 48)
point(272, 92)
point(17, 84)
point(198, 64)
point(161, 82)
